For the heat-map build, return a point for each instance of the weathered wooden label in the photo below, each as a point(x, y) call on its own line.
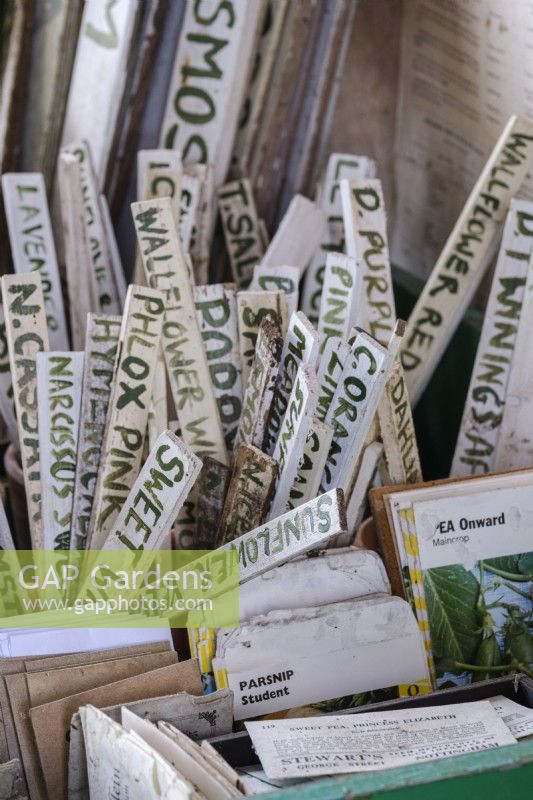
point(82, 285)
point(101, 349)
point(157, 495)
point(249, 492)
point(465, 256)
point(298, 235)
point(241, 229)
point(340, 295)
point(27, 335)
point(292, 437)
point(32, 245)
point(204, 221)
point(486, 401)
point(213, 484)
point(300, 346)
point(252, 309)
point(99, 76)
point(59, 377)
point(114, 254)
point(401, 462)
point(306, 484)
point(208, 81)
point(94, 225)
point(305, 528)
point(365, 224)
point(336, 354)
point(191, 191)
point(184, 351)
point(7, 408)
point(353, 407)
point(340, 165)
point(128, 408)
point(278, 279)
point(216, 312)
point(259, 390)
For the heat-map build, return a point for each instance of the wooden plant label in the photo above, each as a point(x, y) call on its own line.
point(82, 285)
point(158, 413)
point(159, 174)
point(59, 377)
point(401, 462)
point(487, 398)
point(32, 245)
point(249, 492)
point(96, 235)
point(213, 485)
point(259, 390)
point(7, 408)
point(336, 354)
point(157, 495)
point(27, 335)
point(252, 309)
point(365, 224)
point(278, 279)
point(216, 312)
point(184, 351)
point(99, 76)
point(340, 165)
point(298, 235)
point(305, 528)
point(128, 408)
point(242, 233)
point(101, 349)
point(300, 346)
point(204, 222)
point(358, 492)
point(209, 80)
point(306, 484)
point(191, 191)
point(466, 255)
point(340, 294)
point(116, 262)
point(353, 407)
point(293, 435)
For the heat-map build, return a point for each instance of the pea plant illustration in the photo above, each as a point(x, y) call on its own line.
point(465, 637)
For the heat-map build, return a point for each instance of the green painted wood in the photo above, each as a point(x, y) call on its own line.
point(505, 773)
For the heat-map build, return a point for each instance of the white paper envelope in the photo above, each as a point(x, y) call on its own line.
point(293, 657)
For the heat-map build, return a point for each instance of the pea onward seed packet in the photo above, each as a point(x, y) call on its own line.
point(466, 552)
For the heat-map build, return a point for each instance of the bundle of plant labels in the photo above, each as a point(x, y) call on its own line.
point(461, 550)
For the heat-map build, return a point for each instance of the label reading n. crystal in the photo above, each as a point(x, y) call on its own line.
point(32, 245)
point(184, 351)
point(101, 346)
point(366, 240)
point(241, 229)
point(305, 528)
point(156, 496)
point(59, 377)
point(128, 407)
point(465, 256)
point(216, 312)
point(27, 335)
